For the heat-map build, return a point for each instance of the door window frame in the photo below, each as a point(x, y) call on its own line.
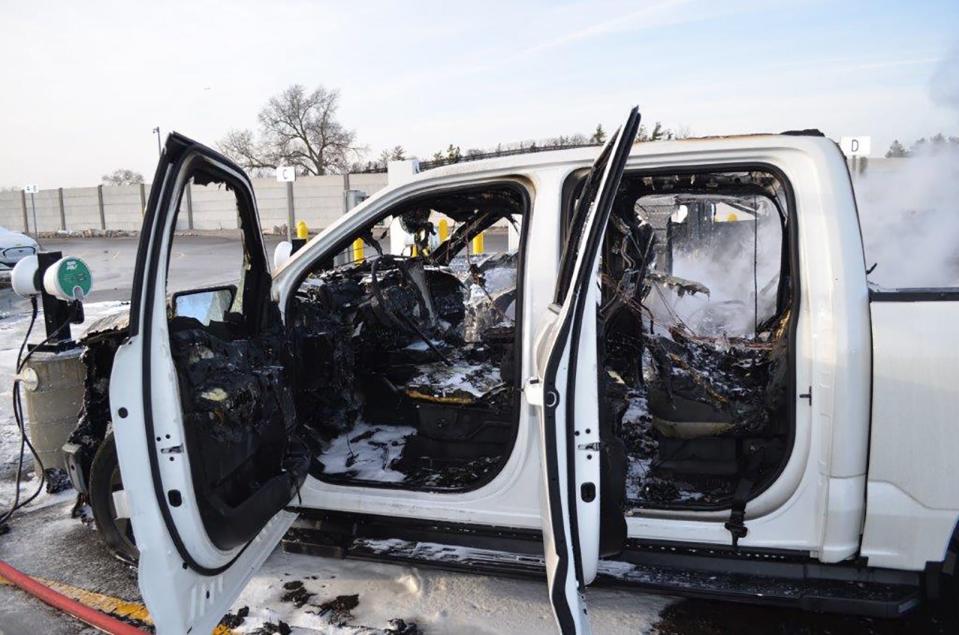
point(351, 229)
point(572, 184)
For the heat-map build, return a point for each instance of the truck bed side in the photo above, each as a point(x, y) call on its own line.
point(912, 496)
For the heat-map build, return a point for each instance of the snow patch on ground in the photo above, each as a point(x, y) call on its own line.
point(437, 601)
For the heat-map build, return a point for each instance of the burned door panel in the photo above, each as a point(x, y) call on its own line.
point(240, 423)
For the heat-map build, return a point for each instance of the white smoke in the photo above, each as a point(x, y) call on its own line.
point(909, 213)
point(730, 268)
point(909, 207)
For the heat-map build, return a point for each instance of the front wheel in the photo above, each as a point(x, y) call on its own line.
point(104, 480)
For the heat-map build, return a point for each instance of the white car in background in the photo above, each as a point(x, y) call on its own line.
point(14, 246)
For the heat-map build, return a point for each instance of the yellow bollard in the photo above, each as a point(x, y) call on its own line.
point(478, 243)
point(444, 229)
point(357, 249)
point(302, 231)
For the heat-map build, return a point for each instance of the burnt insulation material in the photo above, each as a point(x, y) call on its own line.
point(100, 342)
point(324, 365)
point(238, 407)
point(408, 401)
point(703, 403)
point(728, 377)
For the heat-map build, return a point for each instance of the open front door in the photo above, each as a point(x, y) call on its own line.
point(568, 404)
point(203, 415)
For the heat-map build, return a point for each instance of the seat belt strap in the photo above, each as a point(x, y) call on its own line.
point(736, 525)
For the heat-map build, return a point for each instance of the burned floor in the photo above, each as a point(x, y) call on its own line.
point(422, 357)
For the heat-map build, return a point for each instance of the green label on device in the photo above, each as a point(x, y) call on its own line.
point(72, 274)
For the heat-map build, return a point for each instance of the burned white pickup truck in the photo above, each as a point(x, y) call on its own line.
point(674, 376)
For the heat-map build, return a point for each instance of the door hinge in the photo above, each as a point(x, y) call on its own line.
point(807, 395)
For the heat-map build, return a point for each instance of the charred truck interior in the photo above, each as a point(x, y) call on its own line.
point(393, 369)
point(698, 294)
point(405, 368)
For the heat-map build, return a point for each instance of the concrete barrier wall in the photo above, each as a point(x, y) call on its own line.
point(214, 207)
point(48, 210)
point(122, 206)
point(11, 212)
point(318, 200)
point(368, 183)
point(271, 202)
point(81, 208)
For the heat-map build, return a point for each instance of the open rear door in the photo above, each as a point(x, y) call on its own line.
point(205, 481)
point(565, 389)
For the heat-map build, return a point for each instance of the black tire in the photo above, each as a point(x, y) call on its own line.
point(117, 533)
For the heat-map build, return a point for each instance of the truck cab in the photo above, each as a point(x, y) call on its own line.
point(674, 375)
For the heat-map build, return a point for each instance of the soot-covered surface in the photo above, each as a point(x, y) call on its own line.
point(405, 370)
point(380, 453)
point(697, 373)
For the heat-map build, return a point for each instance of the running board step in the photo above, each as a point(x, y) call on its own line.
point(868, 598)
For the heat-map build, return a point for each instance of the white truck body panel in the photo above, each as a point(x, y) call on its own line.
point(912, 502)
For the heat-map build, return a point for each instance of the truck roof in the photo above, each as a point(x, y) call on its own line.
point(586, 155)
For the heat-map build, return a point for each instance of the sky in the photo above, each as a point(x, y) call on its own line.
point(84, 83)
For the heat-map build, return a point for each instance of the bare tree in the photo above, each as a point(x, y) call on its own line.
point(122, 177)
point(296, 129)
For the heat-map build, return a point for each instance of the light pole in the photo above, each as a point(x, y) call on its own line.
point(157, 131)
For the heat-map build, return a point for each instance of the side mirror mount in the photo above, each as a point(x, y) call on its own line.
point(206, 305)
